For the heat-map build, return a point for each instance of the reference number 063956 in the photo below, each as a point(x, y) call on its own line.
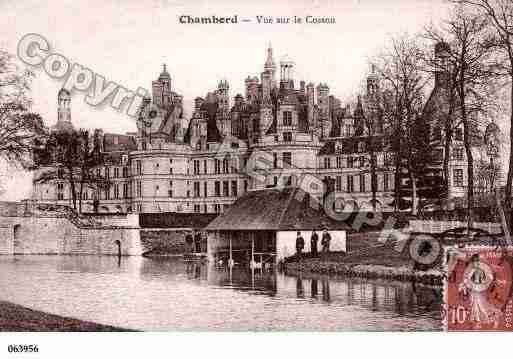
point(23, 348)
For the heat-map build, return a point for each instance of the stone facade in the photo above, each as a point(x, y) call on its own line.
point(35, 231)
point(278, 134)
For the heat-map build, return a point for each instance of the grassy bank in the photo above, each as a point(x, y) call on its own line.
point(367, 258)
point(15, 318)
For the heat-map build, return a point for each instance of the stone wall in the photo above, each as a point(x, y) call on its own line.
point(54, 233)
point(160, 242)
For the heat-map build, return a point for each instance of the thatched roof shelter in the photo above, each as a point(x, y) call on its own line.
point(288, 208)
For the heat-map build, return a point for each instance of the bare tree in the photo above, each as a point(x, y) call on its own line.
point(403, 81)
point(70, 156)
point(499, 14)
point(469, 58)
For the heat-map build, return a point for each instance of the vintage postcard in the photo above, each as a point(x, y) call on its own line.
point(270, 166)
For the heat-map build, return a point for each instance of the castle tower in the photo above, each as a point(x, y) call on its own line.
point(287, 73)
point(161, 89)
point(63, 112)
point(251, 89)
point(270, 66)
point(442, 53)
point(310, 101)
point(64, 106)
point(323, 101)
point(223, 95)
point(372, 82)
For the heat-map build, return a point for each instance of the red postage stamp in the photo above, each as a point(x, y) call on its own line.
point(478, 292)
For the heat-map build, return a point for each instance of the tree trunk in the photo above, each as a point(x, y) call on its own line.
point(73, 188)
point(80, 197)
point(374, 182)
point(413, 194)
point(468, 150)
point(509, 180)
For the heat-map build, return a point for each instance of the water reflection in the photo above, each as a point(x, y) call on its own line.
point(172, 294)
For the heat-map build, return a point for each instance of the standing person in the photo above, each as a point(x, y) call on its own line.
point(197, 242)
point(326, 239)
point(313, 243)
point(189, 242)
point(300, 244)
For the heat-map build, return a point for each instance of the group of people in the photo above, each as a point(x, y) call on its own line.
point(314, 239)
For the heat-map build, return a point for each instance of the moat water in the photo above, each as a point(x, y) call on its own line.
point(170, 294)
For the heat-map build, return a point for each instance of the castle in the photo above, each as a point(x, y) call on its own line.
point(277, 134)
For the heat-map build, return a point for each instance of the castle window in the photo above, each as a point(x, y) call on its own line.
point(138, 167)
point(116, 172)
point(234, 188)
point(116, 191)
point(170, 191)
point(217, 208)
point(60, 173)
point(287, 136)
point(327, 162)
point(98, 172)
point(107, 172)
point(107, 194)
point(386, 182)
point(458, 177)
point(287, 159)
point(217, 188)
point(362, 183)
point(350, 162)
point(275, 160)
point(205, 166)
point(458, 153)
point(197, 208)
point(245, 185)
point(350, 184)
point(225, 166)
point(217, 166)
point(361, 146)
point(139, 189)
point(338, 183)
point(60, 191)
point(125, 190)
point(205, 191)
point(196, 167)
point(197, 189)
point(287, 118)
point(339, 162)
point(226, 189)
point(361, 161)
point(125, 171)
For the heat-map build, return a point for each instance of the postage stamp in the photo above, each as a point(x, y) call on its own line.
point(478, 290)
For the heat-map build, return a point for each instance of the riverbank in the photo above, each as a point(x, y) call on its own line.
point(15, 318)
point(371, 271)
point(367, 259)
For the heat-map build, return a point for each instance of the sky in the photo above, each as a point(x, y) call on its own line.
point(128, 41)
